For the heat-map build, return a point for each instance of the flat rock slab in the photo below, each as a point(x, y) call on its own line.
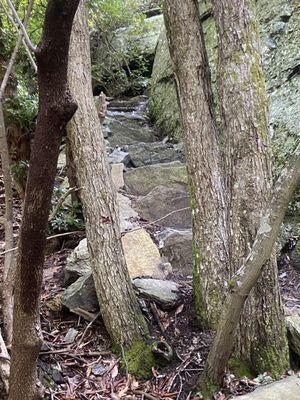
point(166, 293)
point(142, 180)
point(285, 389)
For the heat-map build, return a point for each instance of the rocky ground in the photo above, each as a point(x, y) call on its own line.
point(151, 184)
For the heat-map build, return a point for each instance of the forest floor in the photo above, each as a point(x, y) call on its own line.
point(76, 361)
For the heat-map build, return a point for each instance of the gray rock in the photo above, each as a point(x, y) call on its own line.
point(128, 216)
point(285, 389)
point(119, 156)
point(142, 180)
point(78, 263)
point(152, 153)
point(117, 175)
point(293, 327)
point(128, 131)
point(176, 246)
point(166, 293)
point(162, 201)
point(81, 294)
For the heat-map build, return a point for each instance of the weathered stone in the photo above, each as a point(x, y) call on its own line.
point(78, 263)
point(152, 153)
point(293, 327)
point(142, 180)
point(176, 246)
point(142, 255)
point(119, 156)
point(128, 216)
point(162, 201)
point(166, 293)
point(81, 294)
point(285, 389)
point(117, 175)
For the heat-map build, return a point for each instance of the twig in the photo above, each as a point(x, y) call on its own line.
point(61, 201)
point(4, 364)
point(48, 238)
point(157, 318)
point(87, 328)
point(67, 351)
point(146, 395)
point(15, 14)
point(157, 220)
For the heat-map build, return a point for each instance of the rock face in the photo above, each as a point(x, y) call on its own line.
point(117, 175)
point(141, 181)
point(163, 200)
point(293, 327)
point(127, 214)
point(78, 263)
point(176, 246)
point(166, 293)
point(142, 256)
point(286, 389)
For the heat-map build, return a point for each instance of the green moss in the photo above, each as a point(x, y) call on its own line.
point(269, 358)
point(240, 368)
point(206, 387)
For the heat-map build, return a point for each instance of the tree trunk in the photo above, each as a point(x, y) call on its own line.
point(56, 107)
point(194, 94)
point(261, 338)
point(247, 276)
point(118, 304)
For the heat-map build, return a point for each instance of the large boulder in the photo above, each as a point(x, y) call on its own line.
point(142, 180)
point(163, 200)
point(285, 389)
point(176, 246)
point(153, 153)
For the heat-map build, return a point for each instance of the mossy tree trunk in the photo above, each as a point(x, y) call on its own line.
point(229, 172)
point(56, 107)
point(261, 339)
point(118, 304)
point(203, 155)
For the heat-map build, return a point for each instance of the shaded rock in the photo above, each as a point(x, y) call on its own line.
point(129, 104)
point(118, 156)
point(285, 389)
point(127, 214)
point(166, 293)
point(81, 294)
point(117, 175)
point(153, 153)
point(162, 201)
point(293, 327)
point(78, 263)
point(128, 131)
point(176, 246)
point(142, 256)
point(142, 180)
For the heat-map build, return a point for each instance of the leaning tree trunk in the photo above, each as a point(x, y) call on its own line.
point(194, 94)
point(261, 338)
point(247, 276)
point(56, 107)
point(118, 304)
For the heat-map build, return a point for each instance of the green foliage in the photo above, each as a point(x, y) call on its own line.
point(115, 26)
point(22, 108)
point(69, 217)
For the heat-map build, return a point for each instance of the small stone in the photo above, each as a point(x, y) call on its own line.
point(99, 369)
point(70, 335)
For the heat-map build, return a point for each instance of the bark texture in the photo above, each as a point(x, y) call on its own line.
point(56, 107)
point(261, 338)
point(118, 304)
point(195, 99)
point(246, 277)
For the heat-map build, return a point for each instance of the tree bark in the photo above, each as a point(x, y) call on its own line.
point(261, 339)
point(118, 304)
point(209, 211)
point(56, 107)
point(247, 276)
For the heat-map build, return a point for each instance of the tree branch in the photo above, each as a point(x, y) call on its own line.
point(15, 14)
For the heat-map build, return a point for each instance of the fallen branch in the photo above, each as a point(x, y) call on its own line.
point(61, 201)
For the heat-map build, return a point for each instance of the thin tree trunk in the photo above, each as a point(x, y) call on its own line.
point(9, 262)
point(249, 273)
point(118, 304)
point(56, 107)
point(194, 94)
point(261, 338)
